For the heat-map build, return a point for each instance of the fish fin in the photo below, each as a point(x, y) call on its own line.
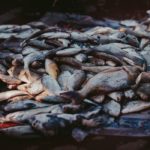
point(75, 97)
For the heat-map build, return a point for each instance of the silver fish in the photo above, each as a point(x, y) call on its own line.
point(112, 108)
point(128, 53)
point(117, 96)
point(106, 82)
point(76, 79)
point(135, 106)
point(81, 57)
point(23, 116)
point(69, 51)
point(50, 84)
point(23, 105)
point(63, 79)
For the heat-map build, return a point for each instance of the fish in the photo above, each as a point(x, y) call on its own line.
point(54, 99)
point(9, 94)
point(23, 116)
point(51, 68)
point(77, 78)
point(105, 82)
point(28, 50)
point(36, 64)
point(9, 80)
point(18, 72)
point(143, 91)
point(98, 98)
point(23, 87)
point(40, 44)
point(36, 87)
point(49, 125)
point(81, 57)
point(129, 23)
point(122, 54)
point(20, 98)
point(20, 131)
point(54, 124)
point(129, 94)
point(135, 106)
point(63, 79)
point(67, 68)
point(69, 61)
point(144, 77)
point(54, 35)
point(112, 108)
point(69, 51)
point(96, 69)
point(117, 96)
point(61, 42)
point(96, 61)
point(50, 84)
point(111, 63)
point(30, 58)
point(23, 105)
point(42, 95)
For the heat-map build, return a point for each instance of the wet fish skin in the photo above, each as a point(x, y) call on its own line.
point(81, 57)
point(9, 80)
point(33, 57)
point(41, 96)
point(39, 44)
point(135, 106)
point(49, 125)
point(23, 116)
point(69, 51)
point(9, 94)
point(96, 69)
point(98, 98)
point(51, 68)
point(117, 96)
point(20, 98)
point(50, 84)
point(143, 91)
point(105, 82)
point(28, 50)
point(63, 79)
point(23, 105)
point(77, 78)
point(129, 94)
point(115, 51)
point(54, 99)
point(112, 108)
point(35, 87)
point(144, 77)
point(69, 61)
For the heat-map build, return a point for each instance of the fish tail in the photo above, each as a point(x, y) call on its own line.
point(74, 96)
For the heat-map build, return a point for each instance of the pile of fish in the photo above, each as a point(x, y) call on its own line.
point(55, 81)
